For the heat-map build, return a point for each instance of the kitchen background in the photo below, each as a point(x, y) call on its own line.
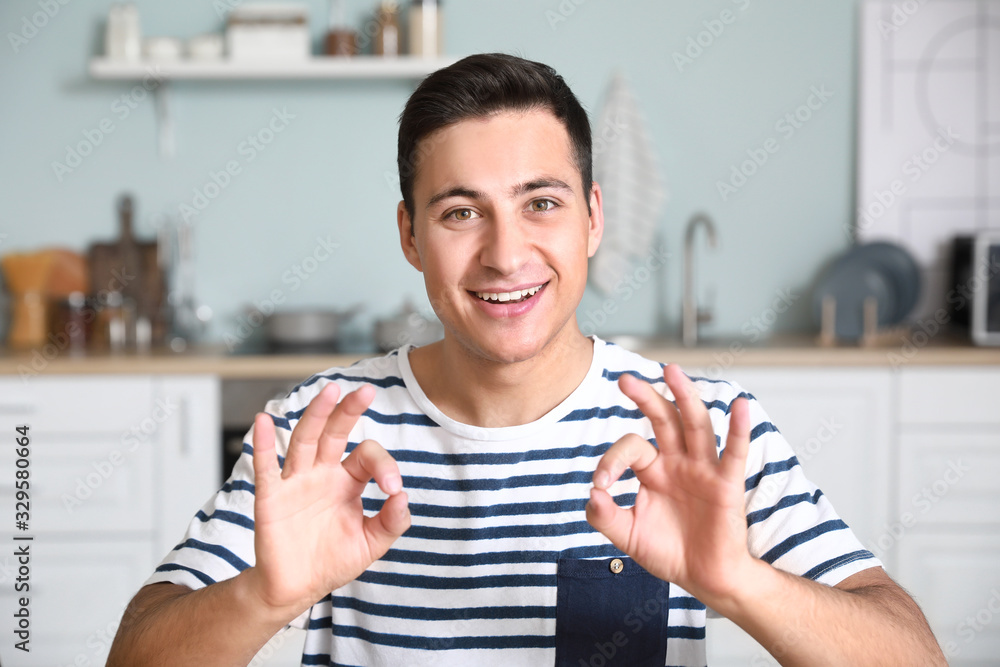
point(331, 172)
point(757, 114)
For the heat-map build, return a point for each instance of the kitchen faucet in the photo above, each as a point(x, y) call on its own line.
point(691, 315)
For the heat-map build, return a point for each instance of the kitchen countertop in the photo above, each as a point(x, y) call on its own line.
point(776, 352)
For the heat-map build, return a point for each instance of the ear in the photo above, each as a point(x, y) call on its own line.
point(596, 229)
point(407, 240)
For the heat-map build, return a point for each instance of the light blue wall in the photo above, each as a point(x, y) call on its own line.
point(326, 174)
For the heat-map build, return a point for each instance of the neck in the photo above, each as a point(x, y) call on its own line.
point(493, 394)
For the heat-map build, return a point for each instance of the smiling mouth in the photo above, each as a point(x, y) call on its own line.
point(509, 297)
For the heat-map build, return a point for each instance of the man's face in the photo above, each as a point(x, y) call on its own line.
point(502, 233)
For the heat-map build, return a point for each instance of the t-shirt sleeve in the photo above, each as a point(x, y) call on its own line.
point(219, 542)
point(790, 523)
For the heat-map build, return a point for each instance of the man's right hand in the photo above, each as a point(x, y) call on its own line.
point(310, 535)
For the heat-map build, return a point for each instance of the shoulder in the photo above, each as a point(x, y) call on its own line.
point(383, 372)
point(618, 361)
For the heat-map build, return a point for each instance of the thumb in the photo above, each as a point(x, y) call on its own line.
point(607, 517)
point(385, 527)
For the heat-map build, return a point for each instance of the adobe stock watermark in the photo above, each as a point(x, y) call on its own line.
point(771, 489)
point(93, 137)
point(105, 468)
point(972, 625)
point(901, 14)
point(913, 169)
point(786, 126)
point(249, 149)
point(294, 276)
point(635, 620)
point(625, 289)
point(31, 26)
point(562, 12)
point(698, 44)
point(753, 330)
point(922, 502)
point(923, 331)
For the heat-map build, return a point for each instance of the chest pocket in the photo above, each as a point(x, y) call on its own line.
point(610, 613)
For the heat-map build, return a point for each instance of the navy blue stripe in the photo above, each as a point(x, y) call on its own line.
point(585, 414)
point(456, 583)
point(482, 458)
point(499, 532)
point(172, 567)
point(787, 501)
point(498, 557)
point(412, 419)
point(433, 613)
point(685, 632)
point(445, 643)
point(503, 509)
point(323, 659)
point(762, 428)
point(770, 469)
point(384, 383)
point(790, 543)
point(614, 375)
point(216, 550)
point(491, 484)
point(834, 563)
point(227, 516)
point(239, 485)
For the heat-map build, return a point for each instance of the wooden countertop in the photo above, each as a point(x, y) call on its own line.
point(777, 352)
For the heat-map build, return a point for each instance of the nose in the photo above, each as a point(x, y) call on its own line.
point(506, 247)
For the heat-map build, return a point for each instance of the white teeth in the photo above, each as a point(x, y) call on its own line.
point(503, 297)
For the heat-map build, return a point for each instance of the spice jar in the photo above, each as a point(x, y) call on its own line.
point(387, 36)
point(425, 28)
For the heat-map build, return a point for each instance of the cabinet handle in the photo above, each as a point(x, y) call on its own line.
point(18, 409)
point(185, 431)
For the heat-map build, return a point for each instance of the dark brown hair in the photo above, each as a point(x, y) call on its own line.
point(481, 85)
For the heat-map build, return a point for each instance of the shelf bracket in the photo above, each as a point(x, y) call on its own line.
point(164, 121)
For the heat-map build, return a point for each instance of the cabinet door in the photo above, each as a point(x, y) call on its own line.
point(78, 593)
point(956, 581)
point(839, 422)
point(85, 475)
point(188, 453)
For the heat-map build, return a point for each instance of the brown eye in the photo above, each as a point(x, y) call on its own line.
point(462, 214)
point(541, 205)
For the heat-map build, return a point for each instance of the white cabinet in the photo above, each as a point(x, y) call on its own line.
point(118, 466)
point(910, 458)
point(839, 422)
point(949, 501)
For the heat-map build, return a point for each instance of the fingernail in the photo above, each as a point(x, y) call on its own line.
point(393, 484)
point(601, 479)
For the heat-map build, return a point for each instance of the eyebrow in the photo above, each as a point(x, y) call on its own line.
point(516, 191)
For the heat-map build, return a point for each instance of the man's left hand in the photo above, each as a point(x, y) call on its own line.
point(688, 524)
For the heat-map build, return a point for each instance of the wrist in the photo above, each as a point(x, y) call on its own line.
point(751, 580)
point(252, 595)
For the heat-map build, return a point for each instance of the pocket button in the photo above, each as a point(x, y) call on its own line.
point(616, 565)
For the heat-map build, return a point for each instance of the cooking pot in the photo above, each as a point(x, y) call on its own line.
point(308, 330)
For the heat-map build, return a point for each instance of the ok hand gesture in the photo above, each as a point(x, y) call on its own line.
point(310, 534)
point(688, 524)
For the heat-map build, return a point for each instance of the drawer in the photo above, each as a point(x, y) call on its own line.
point(956, 581)
point(950, 479)
point(69, 404)
point(949, 396)
point(78, 594)
point(83, 483)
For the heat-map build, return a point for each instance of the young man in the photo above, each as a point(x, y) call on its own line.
point(540, 497)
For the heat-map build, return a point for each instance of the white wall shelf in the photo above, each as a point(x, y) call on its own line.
point(357, 67)
point(161, 73)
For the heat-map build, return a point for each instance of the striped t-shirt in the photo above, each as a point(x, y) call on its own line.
point(500, 565)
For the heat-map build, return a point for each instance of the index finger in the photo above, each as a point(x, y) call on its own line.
point(333, 439)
